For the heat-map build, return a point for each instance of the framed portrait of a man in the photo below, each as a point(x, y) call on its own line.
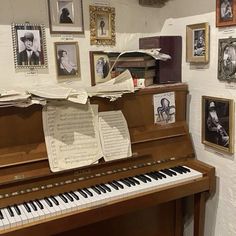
point(102, 25)
point(66, 16)
point(227, 59)
point(29, 46)
point(67, 59)
point(218, 123)
point(100, 67)
point(197, 43)
point(225, 13)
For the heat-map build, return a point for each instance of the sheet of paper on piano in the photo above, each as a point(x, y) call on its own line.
point(114, 134)
point(71, 135)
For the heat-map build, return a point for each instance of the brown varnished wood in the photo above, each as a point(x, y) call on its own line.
point(24, 166)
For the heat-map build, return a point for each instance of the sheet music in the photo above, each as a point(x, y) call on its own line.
point(71, 135)
point(114, 135)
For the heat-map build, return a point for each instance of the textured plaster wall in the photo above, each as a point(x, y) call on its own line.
point(202, 80)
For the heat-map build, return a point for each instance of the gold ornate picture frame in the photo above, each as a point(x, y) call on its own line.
point(197, 43)
point(102, 25)
point(218, 123)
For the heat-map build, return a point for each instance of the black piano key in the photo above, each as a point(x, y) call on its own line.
point(106, 187)
point(34, 207)
point(54, 200)
point(125, 182)
point(68, 196)
point(119, 185)
point(177, 170)
point(74, 195)
point(10, 211)
point(1, 215)
point(18, 212)
point(82, 193)
point(135, 180)
point(173, 172)
point(152, 176)
point(184, 168)
point(101, 188)
point(165, 171)
point(88, 192)
point(26, 207)
point(141, 178)
point(155, 173)
point(180, 169)
point(130, 181)
point(63, 198)
point(96, 190)
point(48, 202)
point(113, 185)
point(158, 172)
point(147, 178)
point(40, 205)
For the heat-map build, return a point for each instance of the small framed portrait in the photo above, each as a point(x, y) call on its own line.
point(66, 16)
point(29, 45)
point(100, 67)
point(227, 59)
point(67, 59)
point(225, 13)
point(102, 25)
point(197, 43)
point(218, 123)
point(164, 108)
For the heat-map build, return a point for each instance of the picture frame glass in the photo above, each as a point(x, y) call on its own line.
point(66, 16)
point(217, 127)
point(67, 59)
point(199, 42)
point(29, 45)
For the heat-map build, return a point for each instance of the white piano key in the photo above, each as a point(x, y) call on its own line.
point(5, 220)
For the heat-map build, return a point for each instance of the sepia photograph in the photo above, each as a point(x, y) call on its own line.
point(225, 13)
point(197, 43)
point(66, 16)
point(29, 46)
point(100, 67)
point(67, 59)
point(102, 25)
point(164, 108)
point(227, 59)
point(217, 123)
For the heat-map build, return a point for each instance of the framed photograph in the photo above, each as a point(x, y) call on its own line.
point(197, 43)
point(102, 25)
point(100, 67)
point(225, 13)
point(29, 45)
point(67, 59)
point(227, 59)
point(164, 108)
point(66, 16)
point(218, 123)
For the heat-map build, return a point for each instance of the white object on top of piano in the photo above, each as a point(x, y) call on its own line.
point(72, 135)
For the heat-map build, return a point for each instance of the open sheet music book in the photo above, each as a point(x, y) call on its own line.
point(77, 135)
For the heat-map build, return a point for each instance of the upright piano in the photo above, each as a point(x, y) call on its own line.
point(138, 195)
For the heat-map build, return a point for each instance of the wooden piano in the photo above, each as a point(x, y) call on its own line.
point(26, 180)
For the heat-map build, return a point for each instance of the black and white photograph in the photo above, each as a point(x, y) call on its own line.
point(227, 59)
point(217, 123)
point(100, 67)
point(199, 42)
point(66, 16)
point(103, 25)
point(65, 12)
point(226, 10)
point(29, 46)
point(67, 59)
point(164, 108)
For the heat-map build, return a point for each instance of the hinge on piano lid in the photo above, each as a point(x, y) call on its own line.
point(16, 177)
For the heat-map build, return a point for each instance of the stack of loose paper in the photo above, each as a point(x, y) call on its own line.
point(76, 137)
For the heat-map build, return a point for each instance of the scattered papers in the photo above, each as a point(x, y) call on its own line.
point(13, 98)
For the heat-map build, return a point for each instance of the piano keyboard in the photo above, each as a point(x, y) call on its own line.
point(32, 211)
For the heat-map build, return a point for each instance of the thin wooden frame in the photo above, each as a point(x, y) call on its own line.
point(100, 67)
point(226, 59)
point(197, 43)
point(67, 59)
point(225, 13)
point(29, 45)
point(102, 25)
point(218, 123)
point(66, 16)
